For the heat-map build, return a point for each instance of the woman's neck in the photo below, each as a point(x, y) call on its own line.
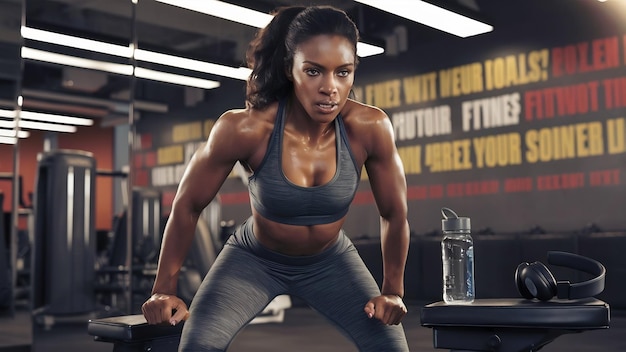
point(300, 121)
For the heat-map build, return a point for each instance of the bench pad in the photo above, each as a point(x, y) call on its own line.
point(580, 314)
point(130, 328)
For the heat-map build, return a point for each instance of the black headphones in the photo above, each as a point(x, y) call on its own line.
point(536, 281)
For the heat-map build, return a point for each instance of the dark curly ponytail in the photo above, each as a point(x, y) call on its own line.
point(270, 54)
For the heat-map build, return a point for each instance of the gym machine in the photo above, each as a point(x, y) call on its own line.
point(112, 268)
point(62, 277)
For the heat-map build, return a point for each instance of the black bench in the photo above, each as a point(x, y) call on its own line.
point(131, 333)
point(511, 325)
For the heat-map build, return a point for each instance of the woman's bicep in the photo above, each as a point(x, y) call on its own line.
point(386, 173)
point(207, 170)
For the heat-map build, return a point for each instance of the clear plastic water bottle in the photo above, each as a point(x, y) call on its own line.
point(457, 255)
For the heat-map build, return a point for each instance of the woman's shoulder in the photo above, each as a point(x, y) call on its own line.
point(242, 131)
point(367, 127)
point(249, 120)
point(361, 117)
point(361, 113)
point(251, 115)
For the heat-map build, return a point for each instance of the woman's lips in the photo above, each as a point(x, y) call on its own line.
point(326, 107)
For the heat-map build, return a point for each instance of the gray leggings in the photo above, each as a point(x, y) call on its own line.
point(246, 276)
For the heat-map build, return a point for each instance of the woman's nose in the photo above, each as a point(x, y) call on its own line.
point(329, 86)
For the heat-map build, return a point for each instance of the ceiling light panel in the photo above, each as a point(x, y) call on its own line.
point(8, 140)
point(75, 42)
point(240, 73)
point(248, 17)
point(432, 16)
point(61, 59)
point(32, 125)
point(224, 10)
point(53, 118)
point(175, 79)
point(49, 122)
point(11, 133)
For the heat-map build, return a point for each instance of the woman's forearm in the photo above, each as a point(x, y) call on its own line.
point(177, 238)
point(395, 247)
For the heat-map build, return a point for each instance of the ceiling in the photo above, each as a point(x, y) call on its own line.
point(167, 29)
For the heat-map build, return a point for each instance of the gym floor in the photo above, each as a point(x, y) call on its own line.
point(302, 330)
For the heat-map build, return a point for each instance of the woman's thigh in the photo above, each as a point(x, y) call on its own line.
point(339, 290)
point(235, 290)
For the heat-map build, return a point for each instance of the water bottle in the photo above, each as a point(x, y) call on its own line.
point(457, 255)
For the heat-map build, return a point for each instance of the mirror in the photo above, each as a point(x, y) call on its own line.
point(76, 80)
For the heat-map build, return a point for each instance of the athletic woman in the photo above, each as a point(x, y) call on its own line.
point(305, 143)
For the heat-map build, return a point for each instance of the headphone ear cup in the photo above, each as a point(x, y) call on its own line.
point(535, 281)
point(519, 281)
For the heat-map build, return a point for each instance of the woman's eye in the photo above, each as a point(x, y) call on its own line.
point(344, 73)
point(312, 72)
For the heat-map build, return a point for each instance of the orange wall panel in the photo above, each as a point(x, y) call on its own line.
point(94, 139)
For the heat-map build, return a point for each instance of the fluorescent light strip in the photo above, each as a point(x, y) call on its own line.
point(68, 120)
point(40, 55)
point(28, 115)
point(241, 73)
point(76, 42)
point(249, 17)
point(224, 10)
point(39, 126)
point(176, 79)
point(8, 140)
point(9, 114)
point(11, 133)
point(432, 16)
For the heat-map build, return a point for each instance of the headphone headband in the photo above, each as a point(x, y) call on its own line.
point(583, 289)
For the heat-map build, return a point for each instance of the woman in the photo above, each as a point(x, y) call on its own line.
point(304, 143)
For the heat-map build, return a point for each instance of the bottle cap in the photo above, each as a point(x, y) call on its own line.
point(452, 222)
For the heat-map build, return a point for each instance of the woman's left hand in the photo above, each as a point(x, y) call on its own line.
point(389, 309)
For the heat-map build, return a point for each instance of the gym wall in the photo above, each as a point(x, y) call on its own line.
point(520, 128)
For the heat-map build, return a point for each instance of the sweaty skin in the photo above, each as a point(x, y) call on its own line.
point(322, 75)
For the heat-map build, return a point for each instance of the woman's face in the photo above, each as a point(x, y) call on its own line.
point(323, 74)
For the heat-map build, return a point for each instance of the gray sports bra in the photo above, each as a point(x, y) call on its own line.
point(280, 200)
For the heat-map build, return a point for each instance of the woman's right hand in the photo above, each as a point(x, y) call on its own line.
point(159, 307)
